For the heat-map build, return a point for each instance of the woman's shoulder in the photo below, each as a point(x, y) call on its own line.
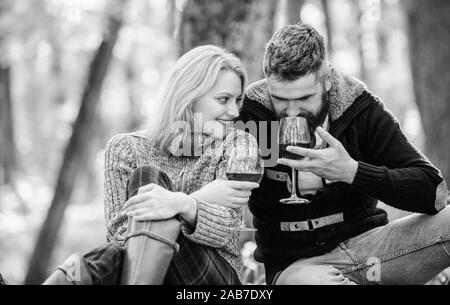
point(133, 143)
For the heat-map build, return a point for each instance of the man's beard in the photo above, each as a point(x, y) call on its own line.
point(314, 121)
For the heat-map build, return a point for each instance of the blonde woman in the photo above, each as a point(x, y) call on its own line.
point(183, 155)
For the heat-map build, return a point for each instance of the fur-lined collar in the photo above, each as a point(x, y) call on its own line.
point(344, 90)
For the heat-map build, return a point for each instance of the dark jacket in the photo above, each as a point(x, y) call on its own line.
point(390, 169)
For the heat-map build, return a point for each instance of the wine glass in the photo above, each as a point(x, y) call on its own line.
point(294, 131)
point(245, 164)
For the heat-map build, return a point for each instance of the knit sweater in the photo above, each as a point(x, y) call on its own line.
point(390, 169)
point(216, 225)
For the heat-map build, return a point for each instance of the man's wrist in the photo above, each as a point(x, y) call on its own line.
point(351, 173)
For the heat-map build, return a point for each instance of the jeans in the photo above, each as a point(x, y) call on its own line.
point(410, 250)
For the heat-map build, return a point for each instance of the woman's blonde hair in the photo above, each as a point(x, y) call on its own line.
point(194, 74)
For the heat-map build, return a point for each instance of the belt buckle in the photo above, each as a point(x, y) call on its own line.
point(310, 225)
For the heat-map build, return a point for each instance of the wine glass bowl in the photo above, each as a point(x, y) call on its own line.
point(294, 131)
point(245, 164)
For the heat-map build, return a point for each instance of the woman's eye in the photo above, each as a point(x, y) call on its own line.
point(224, 99)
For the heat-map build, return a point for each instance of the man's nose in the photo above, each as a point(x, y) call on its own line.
point(292, 109)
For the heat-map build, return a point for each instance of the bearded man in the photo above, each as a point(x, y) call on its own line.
point(360, 155)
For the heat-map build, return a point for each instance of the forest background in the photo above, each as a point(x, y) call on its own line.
point(73, 73)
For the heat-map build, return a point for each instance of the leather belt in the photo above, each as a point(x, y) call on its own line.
point(312, 224)
point(284, 177)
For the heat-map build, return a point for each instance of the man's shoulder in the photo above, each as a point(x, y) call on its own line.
point(258, 92)
point(259, 88)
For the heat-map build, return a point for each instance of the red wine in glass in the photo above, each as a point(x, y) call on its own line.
point(288, 155)
point(245, 164)
point(294, 131)
point(244, 177)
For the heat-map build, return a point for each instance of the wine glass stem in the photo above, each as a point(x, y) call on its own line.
point(243, 216)
point(294, 183)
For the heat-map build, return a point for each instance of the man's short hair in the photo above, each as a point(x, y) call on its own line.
point(293, 52)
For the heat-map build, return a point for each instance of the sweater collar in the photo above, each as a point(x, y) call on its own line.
point(343, 92)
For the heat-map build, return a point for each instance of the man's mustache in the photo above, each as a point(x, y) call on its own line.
point(300, 115)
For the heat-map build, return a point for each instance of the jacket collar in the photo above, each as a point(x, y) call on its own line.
point(343, 93)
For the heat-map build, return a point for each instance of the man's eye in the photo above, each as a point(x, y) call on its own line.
point(277, 100)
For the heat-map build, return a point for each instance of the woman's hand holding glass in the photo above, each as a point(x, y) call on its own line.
point(154, 202)
point(245, 164)
point(231, 194)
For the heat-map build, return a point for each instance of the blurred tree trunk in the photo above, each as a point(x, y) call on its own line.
point(292, 11)
point(7, 144)
point(328, 26)
point(75, 150)
point(171, 17)
point(363, 73)
point(429, 36)
point(242, 27)
point(135, 116)
point(383, 31)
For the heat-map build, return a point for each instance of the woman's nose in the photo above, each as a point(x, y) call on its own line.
point(233, 110)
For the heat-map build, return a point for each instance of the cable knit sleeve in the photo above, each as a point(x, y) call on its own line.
point(216, 225)
point(119, 163)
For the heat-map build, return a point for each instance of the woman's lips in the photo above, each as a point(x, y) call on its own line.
point(225, 123)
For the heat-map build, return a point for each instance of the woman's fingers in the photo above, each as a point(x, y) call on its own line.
point(243, 185)
point(240, 201)
point(145, 217)
point(146, 188)
point(241, 193)
point(136, 199)
point(142, 195)
point(138, 206)
point(138, 212)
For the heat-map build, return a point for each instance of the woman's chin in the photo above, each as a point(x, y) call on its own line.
point(215, 129)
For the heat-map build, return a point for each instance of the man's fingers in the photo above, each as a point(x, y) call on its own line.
point(243, 185)
point(297, 164)
point(305, 152)
point(327, 137)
